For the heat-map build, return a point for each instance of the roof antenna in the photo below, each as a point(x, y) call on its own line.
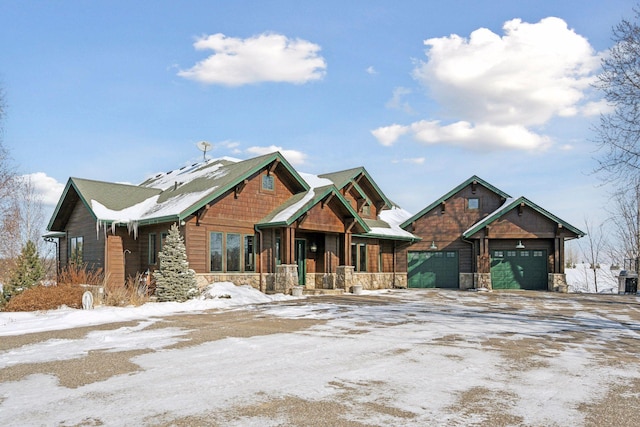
point(204, 146)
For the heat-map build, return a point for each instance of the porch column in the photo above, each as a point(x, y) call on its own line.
point(289, 245)
point(483, 276)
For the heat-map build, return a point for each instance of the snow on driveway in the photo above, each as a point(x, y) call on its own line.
point(401, 357)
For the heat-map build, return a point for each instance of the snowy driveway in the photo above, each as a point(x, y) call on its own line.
point(401, 358)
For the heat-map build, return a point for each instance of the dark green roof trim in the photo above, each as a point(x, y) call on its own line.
point(112, 196)
point(320, 194)
point(388, 237)
point(244, 169)
point(512, 205)
point(454, 192)
point(342, 178)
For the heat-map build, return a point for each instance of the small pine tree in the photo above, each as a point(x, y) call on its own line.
point(27, 273)
point(174, 280)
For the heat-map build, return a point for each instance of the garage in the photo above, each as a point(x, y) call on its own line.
point(433, 269)
point(519, 269)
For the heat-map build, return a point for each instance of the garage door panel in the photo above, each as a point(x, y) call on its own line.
point(519, 269)
point(433, 269)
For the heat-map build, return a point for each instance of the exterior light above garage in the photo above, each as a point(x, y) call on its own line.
point(519, 245)
point(433, 245)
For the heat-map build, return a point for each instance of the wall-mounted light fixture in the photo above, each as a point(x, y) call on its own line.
point(519, 245)
point(313, 247)
point(433, 245)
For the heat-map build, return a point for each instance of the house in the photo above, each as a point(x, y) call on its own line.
point(257, 222)
point(477, 236)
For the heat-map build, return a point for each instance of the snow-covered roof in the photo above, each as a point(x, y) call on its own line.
point(176, 194)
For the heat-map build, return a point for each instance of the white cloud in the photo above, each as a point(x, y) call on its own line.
point(371, 70)
point(415, 160)
point(497, 88)
point(45, 187)
point(596, 108)
point(480, 136)
point(396, 101)
point(294, 157)
point(263, 58)
point(388, 135)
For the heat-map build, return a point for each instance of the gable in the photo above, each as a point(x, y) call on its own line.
point(297, 208)
point(96, 194)
point(522, 218)
point(357, 184)
point(455, 204)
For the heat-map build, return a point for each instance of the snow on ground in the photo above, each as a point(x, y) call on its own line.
point(219, 295)
point(419, 352)
point(581, 278)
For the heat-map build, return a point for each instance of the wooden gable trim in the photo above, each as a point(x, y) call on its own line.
point(349, 223)
point(239, 187)
point(301, 218)
point(273, 166)
point(327, 200)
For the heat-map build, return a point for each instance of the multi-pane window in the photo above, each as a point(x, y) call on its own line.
point(153, 248)
point(233, 252)
point(268, 183)
point(473, 203)
point(76, 245)
point(215, 251)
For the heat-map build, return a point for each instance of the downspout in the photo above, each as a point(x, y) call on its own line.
point(262, 288)
point(394, 264)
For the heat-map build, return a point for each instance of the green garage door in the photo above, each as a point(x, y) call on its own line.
point(519, 269)
point(433, 269)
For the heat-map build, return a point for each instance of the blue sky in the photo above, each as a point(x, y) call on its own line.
point(424, 94)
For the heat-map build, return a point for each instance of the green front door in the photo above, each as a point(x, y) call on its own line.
point(429, 269)
point(519, 269)
point(301, 260)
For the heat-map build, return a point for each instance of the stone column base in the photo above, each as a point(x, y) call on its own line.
point(483, 280)
point(286, 278)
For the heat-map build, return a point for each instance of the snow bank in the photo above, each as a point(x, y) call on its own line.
point(216, 296)
point(582, 279)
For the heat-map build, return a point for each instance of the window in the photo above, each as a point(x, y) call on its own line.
point(473, 203)
point(216, 251)
point(359, 256)
point(538, 253)
point(268, 182)
point(152, 248)
point(498, 254)
point(278, 257)
point(233, 252)
point(76, 245)
point(248, 254)
point(511, 253)
point(524, 253)
point(366, 209)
